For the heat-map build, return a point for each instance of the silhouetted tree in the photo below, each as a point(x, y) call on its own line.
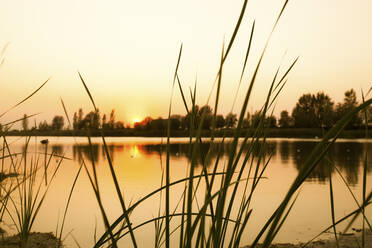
point(285, 120)
point(350, 102)
point(25, 122)
point(97, 120)
point(303, 113)
point(247, 121)
point(119, 125)
point(220, 121)
point(255, 119)
point(175, 122)
point(80, 119)
point(111, 123)
point(147, 122)
point(270, 121)
point(43, 126)
point(192, 117)
point(58, 122)
point(313, 111)
point(208, 116)
point(89, 120)
point(231, 120)
point(323, 110)
point(104, 121)
point(159, 124)
point(75, 122)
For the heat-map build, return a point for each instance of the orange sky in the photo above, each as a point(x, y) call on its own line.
point(127, 52)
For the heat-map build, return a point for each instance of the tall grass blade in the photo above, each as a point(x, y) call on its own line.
point(167, 165)
point(134, 205)
point(237, 26)
point(68, 202)
point(332, 207)
point(365, 164)
point(18, 120)
point(112, 171)
point(244, 65)
point(182, 94)
point(64, 109)
point(25, 99)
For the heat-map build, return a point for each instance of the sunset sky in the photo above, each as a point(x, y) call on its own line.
point(127, 52)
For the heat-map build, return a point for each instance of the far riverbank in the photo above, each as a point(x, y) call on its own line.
point(131, 132)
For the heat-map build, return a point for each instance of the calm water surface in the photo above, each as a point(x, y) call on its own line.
point(139, 165)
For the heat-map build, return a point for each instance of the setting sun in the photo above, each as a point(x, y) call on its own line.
point(135, 120)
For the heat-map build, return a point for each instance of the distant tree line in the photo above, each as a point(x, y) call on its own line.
point(311, 111)
point(94, 121)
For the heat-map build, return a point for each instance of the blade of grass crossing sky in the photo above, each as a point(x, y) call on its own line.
point(244, 65)
point(25, 99)
point(18, 120)
point(64, 109)
point(217, 94)
point(167, 166)
point(182, 94)
point(237, 26)
point(87, 90)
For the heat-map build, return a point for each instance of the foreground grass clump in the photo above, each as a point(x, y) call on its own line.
point(35, 240)
point(23, 195)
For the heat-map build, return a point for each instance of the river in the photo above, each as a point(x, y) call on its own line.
point(140, 162)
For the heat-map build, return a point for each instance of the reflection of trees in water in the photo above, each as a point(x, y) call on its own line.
point(57, 149)
point(347, 156)
point(301, 151)
point(88, 152)
point(184, 150)
point(285, 151)
point(112, 149)
point(206, 153)
point(96, 152)
point(263, 149)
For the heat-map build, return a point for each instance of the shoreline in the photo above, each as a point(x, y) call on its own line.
point(270, 133)
point(347, 240)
